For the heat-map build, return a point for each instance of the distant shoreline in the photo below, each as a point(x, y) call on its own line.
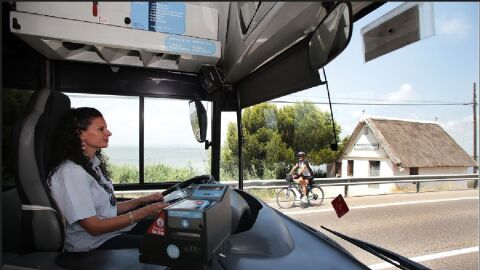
point(178, 157)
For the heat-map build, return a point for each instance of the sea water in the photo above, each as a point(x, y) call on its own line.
point(177, 157)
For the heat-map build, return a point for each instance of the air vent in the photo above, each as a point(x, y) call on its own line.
point(67, 39)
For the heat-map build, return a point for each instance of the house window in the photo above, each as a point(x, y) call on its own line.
point(374, 168)
point(414, 171)
point(338, 169)
point(350, 168)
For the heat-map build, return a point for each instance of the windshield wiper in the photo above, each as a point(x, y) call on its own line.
point(386, 255)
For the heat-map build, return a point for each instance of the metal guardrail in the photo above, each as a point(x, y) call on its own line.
point(349, 181)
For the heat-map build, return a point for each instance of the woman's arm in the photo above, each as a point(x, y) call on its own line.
point(123, 207)
point(294, 167)
point(95, 226)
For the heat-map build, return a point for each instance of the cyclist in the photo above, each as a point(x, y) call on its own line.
point(302, 175)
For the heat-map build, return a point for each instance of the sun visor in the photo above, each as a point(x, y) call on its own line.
point(167, 35)
point(287, 74)
point(406, 24)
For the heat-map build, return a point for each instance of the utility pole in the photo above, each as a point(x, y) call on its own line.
point(475, 169)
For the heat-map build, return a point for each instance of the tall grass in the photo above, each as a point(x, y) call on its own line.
point(154, 173)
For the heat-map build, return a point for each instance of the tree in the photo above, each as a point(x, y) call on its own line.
point(306, 128)
point(229, 158)
point(273, 135)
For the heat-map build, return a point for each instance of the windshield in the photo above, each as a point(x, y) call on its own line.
point(404, 114)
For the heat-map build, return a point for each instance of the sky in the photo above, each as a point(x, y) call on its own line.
point(442, 67)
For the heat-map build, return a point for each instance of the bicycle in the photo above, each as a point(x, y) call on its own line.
point(287, 196)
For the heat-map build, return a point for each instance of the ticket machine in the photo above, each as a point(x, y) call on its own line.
point(191, 232)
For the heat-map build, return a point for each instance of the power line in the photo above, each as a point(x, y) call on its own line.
point(372, 99)
point(377, 104)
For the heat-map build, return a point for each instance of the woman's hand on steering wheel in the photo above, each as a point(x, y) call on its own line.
point(182, 187)
point(151, 198)
point(153, 209)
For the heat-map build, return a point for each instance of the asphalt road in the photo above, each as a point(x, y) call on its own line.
point(440, 229)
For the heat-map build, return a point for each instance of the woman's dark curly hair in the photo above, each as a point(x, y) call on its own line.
point(68, 145)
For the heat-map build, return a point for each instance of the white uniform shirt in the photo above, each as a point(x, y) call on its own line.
point(79, 196)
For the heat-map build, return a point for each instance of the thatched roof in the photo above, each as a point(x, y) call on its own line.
point(415, 144)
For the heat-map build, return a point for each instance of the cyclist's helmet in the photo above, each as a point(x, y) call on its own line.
point(301, 154)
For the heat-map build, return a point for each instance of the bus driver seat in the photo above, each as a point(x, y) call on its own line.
point(42, 223)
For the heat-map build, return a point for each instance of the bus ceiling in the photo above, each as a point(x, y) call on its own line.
point(117, 48)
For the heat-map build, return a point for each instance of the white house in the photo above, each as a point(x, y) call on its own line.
point(395, 147)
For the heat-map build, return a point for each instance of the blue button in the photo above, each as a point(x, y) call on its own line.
point(185, 223)
point(173, 251)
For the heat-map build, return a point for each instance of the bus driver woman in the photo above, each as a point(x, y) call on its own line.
point(80, 185)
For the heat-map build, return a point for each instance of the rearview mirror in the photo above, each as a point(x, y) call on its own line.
point(198, 120)
point(331, 36)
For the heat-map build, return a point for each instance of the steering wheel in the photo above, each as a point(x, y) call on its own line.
point(183, 189)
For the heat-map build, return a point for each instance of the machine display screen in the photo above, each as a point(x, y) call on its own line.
point(191, 204)
point(209, 191)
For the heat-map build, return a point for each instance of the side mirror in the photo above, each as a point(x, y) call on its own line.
point(331, 36)
point(198, 120)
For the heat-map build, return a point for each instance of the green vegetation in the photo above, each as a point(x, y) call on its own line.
point(154, 173)
point(266, 195)
point(272, 135)
point(123, 174)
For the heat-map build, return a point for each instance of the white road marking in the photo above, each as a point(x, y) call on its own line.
point(379, 205)
point(429, 257)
